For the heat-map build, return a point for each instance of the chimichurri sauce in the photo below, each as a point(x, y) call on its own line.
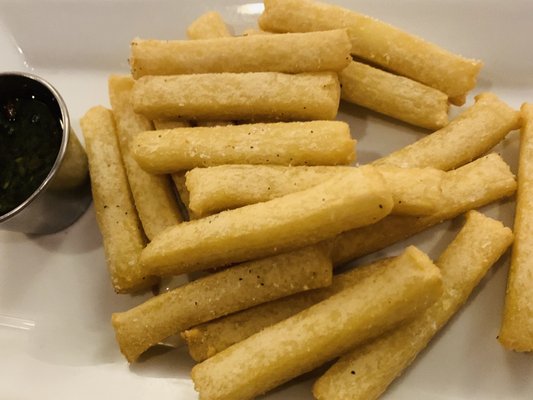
point(30, 138)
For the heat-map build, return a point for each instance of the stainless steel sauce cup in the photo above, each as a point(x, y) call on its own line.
point(65, 193)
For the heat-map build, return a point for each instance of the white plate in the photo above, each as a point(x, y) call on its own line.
point(59, 344)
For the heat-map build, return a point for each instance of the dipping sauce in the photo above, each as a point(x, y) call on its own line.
point(30, 139)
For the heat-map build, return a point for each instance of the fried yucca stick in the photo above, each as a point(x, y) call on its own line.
point(154, 199)
point(115, 212)
point(465, 138)
point(245, 96)
point(517, 326)
point(416, 191)
point(321, 332)
point(208, 25)
point(378, 42)
point(393, 95)
point(366, 372)
point(473, 185)
point(298, 219)
point(289, 53)
point(207, 339)
point(282, 143)
point(215, 295)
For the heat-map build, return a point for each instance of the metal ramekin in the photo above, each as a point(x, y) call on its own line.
point(64, 194)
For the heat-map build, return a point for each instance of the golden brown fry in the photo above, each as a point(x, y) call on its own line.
point(471, 134)
point(298, 219)
point(517, 326)
point(416, 191)
point(366, 372)
point(289, 143)
point(115, 212)
point(215, 295)
point(476, 184)
point(205, 340)
point(245, 96)
point(289, 53)
point(393, 95)
point(207, 26)
point(226, 187)
point(154, 199)
point(322, 332)
point(378, 42)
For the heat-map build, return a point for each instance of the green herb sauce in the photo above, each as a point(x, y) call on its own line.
point(30, 138)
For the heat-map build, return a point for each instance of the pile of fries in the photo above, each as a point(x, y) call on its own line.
point(222, 154)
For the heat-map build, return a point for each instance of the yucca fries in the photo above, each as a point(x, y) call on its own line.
point(244, 130)
point(378, 42)
point(154, 199)
point(471, 134)
point(416, 191)
point(473, 185)
point(289, 53)
point(321, 332)
point(208, 25)
point(115, 212)
point(207, 298)
point(298, 219)
point(365, 373)
point(517, 326)
point(395, 96)
point(245, 96)
point(212, 337)
point(282, 143)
